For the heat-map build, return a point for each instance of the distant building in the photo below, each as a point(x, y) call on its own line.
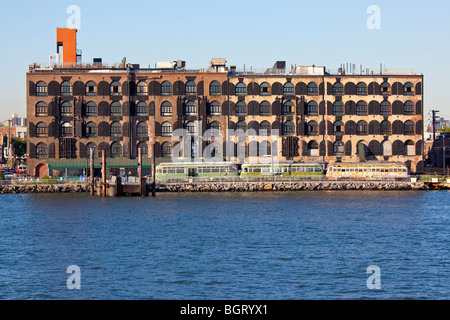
point(320, 115)
point(21, 132)
point(16, 121)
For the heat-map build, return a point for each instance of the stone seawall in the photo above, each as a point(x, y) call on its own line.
point(291, 186)
point(45, 188)
point(233, 187)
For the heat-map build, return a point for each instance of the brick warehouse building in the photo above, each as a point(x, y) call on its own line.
point(321, 116)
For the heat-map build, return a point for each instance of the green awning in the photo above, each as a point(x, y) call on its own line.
point(61, 164)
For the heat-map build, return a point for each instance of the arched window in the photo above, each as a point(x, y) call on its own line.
point(66, 129)
point(41, 89)
point(166, 88)
point(361, 128)
point(142, 129)
point(166, 150)
point(289, 89)
point(338, 149)
point(166, 129)
point(66, 109)
point(338, 128)
point(116, 108)
point(313, 89)
point(91, 146)
point(66, 88)
point(410, 150)
point(241, 126)
point(116, 88)
point(191, 87)
point(41, 151)
point(214, 108)
point(385, 88)
point(215, 129)
point(191, 127)
point(361, 89)
point(41, 109)
point(265, 148)
point(361, 108)
point(338, 89)
point(241, 108)
point(408, 89)
point(288, 128)
point(116, 129)
point(288, 108)
point(41, 130)
point(313, 128)
point(313, 149)
point(385, 108)
point(241, 149)
point(142, 88)
point(408, 108)
point(362, 148)
point(214, 88)
point(313, 108)
point(116, 150)
point(264, 128)
point(241, 89)
point(191, 108)
point(338, 108)
point(141, 109)
point(409, 127)
point(144, 148)
point(91, 130)
point(264, 89)
point(385, 128)
point(386, 148)
point(264, 108)
point(166, 109)
point(91, 88)
point(91, 109)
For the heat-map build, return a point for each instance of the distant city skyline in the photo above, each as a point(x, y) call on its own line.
point(251, 33)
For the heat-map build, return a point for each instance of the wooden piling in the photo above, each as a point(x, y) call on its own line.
point(103, 173)
point(140, 164)
point(142, 181)
point(92, 171)
point(153, 172)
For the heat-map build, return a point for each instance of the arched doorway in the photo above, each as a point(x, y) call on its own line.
point(41, 170)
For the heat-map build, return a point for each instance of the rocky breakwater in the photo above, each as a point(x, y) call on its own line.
point(291, 186)
point(44, 188)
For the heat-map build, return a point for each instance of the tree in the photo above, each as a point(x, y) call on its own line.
point(20, 146)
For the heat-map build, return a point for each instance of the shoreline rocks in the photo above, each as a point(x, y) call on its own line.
point(44, 188)
point(204, 187)
point(291, 186)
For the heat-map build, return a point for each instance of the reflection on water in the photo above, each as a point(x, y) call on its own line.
point(290, 245)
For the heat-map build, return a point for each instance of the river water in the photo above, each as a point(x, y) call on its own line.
point(277, 246)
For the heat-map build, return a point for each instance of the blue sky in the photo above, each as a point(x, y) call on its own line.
point(413, 34)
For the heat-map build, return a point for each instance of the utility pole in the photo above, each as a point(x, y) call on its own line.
point(9, 141)
point(443, 155)
point(434, 136)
